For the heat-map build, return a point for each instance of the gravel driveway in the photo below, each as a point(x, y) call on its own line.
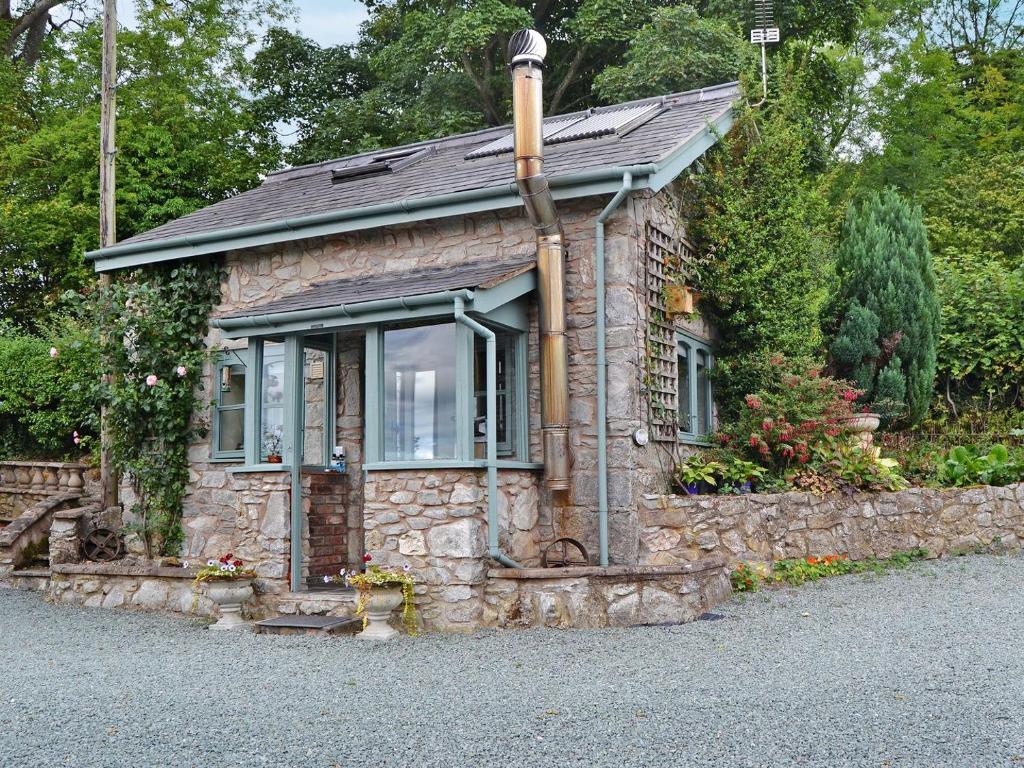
point(921, 667)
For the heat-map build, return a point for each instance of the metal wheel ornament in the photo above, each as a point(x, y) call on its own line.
point(560, 554)
point(102, 545)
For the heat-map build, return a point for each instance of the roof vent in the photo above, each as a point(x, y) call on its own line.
point(379, 165)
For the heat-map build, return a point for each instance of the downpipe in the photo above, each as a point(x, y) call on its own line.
point(489, 337)
point(602, 369)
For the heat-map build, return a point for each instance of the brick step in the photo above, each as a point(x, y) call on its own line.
point(310, 625)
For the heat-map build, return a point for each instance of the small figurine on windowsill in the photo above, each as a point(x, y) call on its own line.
point(338, 463)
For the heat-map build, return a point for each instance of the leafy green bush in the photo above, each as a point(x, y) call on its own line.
point(964, 465)
point(46, 399)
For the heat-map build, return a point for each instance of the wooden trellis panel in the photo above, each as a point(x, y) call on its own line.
point(663, 254)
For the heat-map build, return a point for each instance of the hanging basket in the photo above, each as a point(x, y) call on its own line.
point(680, 299)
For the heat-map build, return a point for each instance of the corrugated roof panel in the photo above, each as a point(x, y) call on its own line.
point(618, 121)
point(504, 144)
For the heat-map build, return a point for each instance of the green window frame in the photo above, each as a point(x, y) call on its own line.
point(229, 410)
point(469, 392)
point(695, 393)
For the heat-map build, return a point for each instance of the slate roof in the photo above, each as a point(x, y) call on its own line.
point(309, 190)
point(392, 285)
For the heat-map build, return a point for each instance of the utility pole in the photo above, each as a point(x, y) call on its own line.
point(108, 216)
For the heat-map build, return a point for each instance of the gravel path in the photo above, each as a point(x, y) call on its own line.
point(917, 668)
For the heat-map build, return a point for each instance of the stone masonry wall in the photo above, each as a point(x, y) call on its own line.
point(436, 522)
point(767, 527)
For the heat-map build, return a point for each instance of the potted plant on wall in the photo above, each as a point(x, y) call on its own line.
point(272, 445)
point(229, 584)
point(381, 590)
point(695, 474)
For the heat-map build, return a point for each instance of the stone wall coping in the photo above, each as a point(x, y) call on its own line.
point(53, 464)
point(612, 571)
point(264, 468)
point(76, 513)
point(121, 569)
point(44, 491)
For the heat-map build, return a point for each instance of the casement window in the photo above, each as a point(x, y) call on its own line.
point(428, 386)
point(694, 361)
point(229, 406)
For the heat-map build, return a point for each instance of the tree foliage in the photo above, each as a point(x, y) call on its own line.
point(888, 335)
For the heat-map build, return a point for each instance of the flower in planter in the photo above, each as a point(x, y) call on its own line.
point(367, 557)
point(225, 569)
point(383, 577)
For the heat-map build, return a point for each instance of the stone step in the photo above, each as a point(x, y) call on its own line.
point(338, 603)
point(309, 625)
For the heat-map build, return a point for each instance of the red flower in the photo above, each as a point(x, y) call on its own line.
point(849, 395)
point(755, 440)
point(764, 450)
point(788, 451)
point(237, 563)
point(367, 557)
point(753, 402)
point(767, 424)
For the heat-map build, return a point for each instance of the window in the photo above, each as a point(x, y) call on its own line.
point(694, 362)
point(419, 393)
point(229, 407)
point(506, 386)
point(272, 400)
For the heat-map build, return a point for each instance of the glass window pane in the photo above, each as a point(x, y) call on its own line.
point(273, 394)
point(505, 384)
point(232, 384)
point(419, 393)
point(703, 394)
point(231, 430)
point(683, 389)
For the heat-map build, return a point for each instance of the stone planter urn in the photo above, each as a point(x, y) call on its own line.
point(860, 426)
point(230, 595)
point(380, 604)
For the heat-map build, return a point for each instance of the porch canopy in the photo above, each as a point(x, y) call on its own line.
point(486, 288)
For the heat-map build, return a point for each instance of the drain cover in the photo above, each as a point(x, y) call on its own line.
point(710, 617)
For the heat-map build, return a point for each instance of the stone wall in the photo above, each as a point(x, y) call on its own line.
point(619, 596)
point(436, 522)
point(116, 585)
point(245, 513)
point(767, 527)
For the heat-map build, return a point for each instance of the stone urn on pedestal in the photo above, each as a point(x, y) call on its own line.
point(860, 427)
point(380, 603)
point(230, 596)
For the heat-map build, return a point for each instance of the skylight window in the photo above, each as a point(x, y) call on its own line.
point(380, 164)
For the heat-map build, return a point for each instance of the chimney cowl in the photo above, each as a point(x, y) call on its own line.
point(527, 45)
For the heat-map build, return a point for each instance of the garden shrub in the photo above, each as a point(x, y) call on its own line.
point(964, 465)
point(886, 342)
point(45, 400)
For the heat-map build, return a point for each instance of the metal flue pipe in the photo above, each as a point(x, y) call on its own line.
point(526, 51)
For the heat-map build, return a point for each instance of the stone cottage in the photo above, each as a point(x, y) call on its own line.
point(478, 324)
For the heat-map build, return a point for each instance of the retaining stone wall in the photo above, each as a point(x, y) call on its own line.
point(767, 527)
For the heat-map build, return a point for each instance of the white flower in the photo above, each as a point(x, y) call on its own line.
point(185, 564)
point(211, 562)
point(225, 567)
point(327, 579)
point(406, 567)
point(54, 352)
point(232, 568)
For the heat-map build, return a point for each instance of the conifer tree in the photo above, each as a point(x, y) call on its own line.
point(887, 338)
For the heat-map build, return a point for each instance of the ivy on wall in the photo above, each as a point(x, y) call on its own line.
point(150, 327)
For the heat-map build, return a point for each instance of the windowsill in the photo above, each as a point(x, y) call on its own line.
point(383, 466)
point(260, 468)
point(227, 459)
point(693, 440)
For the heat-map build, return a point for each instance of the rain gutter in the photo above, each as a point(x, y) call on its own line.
point(491, 340)
point(602, 369)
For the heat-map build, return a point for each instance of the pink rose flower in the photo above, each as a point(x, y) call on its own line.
point(54, 352)
point(151, 380)
point(182, 370)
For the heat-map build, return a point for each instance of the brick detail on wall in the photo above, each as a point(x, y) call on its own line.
point(327, 524)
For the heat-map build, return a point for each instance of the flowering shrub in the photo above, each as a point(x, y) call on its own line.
point(228, 568)
point(385, 577)
point(779, 426)
point(800, 570)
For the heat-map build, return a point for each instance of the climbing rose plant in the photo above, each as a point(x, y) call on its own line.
point(150, 327)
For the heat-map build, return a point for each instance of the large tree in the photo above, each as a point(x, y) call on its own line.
point(186, 138)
